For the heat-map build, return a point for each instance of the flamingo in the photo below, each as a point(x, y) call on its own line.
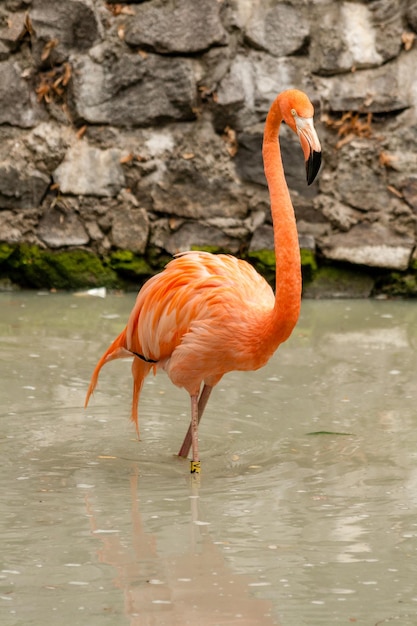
point(208, 314)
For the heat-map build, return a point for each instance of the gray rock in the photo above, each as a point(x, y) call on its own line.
point(195, 235)
point(199, 179)
point(72, 26)
point(307, 242)
point(10, 232)
point(387, 88)
point(14, 30)
point(358, 179)
point(18, 105)
point(183, 27)
point(372, 245)
point(353, 35)
point(86, 170)
point(409, 191)
point(61, 227)
point(279, 29)
point(130, 229)
point(411, 14)
point(193, 196)
point(339, 215)
point(21, 188)
point(133, 90)
point(48, 143)
point(263, 238)
point(4, 51)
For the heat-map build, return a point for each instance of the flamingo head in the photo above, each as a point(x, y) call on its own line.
point(297, 111)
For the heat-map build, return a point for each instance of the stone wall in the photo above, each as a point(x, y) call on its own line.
point(131, 131)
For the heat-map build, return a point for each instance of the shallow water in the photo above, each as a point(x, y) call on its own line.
point(305, 513)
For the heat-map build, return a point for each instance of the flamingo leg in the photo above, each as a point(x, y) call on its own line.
point(202, 401)
point(195, 463)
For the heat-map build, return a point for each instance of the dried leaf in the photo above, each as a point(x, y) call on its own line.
point(81, 132)
point(48, 47)
point(408, 40)
point(120, 9)
point(67, 74)
point(229, 136)
point(387, 160)
point(350, 125)
point(128, 158)
point(395, 191)
point(28, 24)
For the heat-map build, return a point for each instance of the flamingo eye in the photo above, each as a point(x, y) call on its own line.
point(293, 112)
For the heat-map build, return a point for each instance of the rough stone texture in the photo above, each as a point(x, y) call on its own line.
point(13, 31)
point(70, 25)
point(60, 226)
point(18, 106)
point(88, 171)
point(129, 89)
point(138, 126)
point(21, 189)
point(371, 245)
point(200, 234)
point(130, 230)
point(279, 29)
point(186, 28)
point(353, 35)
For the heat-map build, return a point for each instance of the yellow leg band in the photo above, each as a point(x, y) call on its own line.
point(195, 467)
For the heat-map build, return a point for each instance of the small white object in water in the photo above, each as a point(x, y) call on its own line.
point(98, 292)
point(161, 602)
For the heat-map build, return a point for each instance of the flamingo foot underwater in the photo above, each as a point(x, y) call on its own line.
point(205, 315)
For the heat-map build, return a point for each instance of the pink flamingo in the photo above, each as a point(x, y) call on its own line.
point(205, 314)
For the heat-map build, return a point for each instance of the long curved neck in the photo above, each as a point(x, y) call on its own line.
point(287, 252)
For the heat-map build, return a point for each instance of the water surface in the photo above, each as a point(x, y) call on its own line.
point(305, 513)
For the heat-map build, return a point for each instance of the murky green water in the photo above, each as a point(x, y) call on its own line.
point(286, 527)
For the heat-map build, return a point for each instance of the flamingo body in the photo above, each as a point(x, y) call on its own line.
point(204, 314)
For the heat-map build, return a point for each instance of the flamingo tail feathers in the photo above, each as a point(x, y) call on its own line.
point(116, 350)
point(140, 369)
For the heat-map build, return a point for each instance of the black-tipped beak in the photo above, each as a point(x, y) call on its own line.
point(310, 144)
point(313, 165)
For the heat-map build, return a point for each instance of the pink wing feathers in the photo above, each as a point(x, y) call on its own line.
point(195, 320)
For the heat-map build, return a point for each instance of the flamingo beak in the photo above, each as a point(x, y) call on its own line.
point(311, 146)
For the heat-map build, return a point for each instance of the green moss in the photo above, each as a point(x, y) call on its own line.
point(399, 284)
point(157, 258)
point(34, 267)
point(5, 251)
point(308, 264)
point(80, 268)
point(211, 249)
point(332, 281)
point(265, 258)
point(128, 264)
point(264, 262)
point(31, 266)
